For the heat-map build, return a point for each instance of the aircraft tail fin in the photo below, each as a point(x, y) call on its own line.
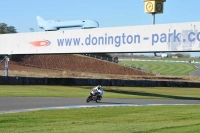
point(40, 21)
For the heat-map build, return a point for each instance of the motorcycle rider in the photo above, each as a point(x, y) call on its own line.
point(97, 91)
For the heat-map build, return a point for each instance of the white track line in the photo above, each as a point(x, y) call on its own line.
point(87, 106)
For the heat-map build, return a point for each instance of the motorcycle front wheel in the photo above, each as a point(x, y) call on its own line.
point(88, 99)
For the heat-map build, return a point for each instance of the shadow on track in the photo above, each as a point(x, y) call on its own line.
point(152, 94)
point(148, 94)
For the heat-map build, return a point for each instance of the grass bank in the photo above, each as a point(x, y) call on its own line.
point(163, 68)
point(168, 119)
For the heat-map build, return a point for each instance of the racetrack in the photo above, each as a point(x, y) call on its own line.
point(24, 104)
point(196, 72)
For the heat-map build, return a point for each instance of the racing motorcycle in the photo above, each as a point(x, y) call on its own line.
point(96, 98)
point(93, 97)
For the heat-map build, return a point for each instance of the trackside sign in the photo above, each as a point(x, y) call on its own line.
point(148, 38)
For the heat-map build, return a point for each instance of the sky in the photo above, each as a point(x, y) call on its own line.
point(108, 13)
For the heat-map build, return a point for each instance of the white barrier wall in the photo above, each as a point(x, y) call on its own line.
point(149, 38)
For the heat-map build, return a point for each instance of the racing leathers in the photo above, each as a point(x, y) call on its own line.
point(97, 91)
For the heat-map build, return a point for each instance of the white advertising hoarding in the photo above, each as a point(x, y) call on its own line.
point(148, 38)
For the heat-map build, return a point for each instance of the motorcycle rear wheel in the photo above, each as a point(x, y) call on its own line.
point(98, 99)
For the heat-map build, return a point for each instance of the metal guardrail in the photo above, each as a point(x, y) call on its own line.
point(101, 58)
point(168, 61)
point(136, 67)
point(111, 60)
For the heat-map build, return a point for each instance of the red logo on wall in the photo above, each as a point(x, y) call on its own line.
point(40, 43)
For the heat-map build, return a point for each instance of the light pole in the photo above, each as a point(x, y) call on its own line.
point(6, 59)
point(6, 65)
point(154, 7)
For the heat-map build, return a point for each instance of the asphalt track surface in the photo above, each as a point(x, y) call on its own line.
point(24, 104)
point(17, 104)
point(196, 72)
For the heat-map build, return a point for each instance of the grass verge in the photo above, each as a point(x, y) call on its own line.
point(110, 92)
point(168, 119)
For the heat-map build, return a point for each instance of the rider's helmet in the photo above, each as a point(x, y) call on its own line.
point(99, 87)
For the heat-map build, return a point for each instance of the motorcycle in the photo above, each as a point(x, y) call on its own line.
point(96, 98)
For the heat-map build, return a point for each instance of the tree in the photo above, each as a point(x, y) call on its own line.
point(5, 29)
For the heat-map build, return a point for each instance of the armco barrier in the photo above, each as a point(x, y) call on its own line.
point(92, 82)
